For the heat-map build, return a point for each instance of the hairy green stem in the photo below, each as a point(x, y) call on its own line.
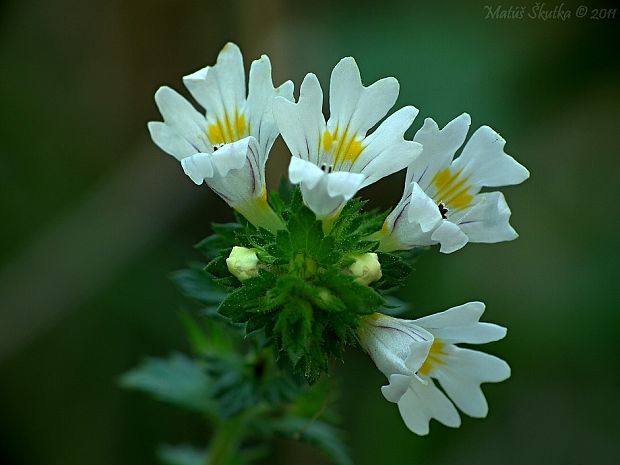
point(225, 443)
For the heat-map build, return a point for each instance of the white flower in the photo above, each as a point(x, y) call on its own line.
point(459, 371)
point(366, 268)
point(242, 263)
point(398, 348)
point(332, 161)
point(442, 202)
point(228, 147)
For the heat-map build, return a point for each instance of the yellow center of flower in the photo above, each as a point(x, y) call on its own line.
point(452, 189)
point(228, 129)
point(434, 358)
point(344, 147)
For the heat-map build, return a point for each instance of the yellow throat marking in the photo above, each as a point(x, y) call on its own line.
point(344, 147)
point(434, 358)
point(227, 129)
point(452, 190)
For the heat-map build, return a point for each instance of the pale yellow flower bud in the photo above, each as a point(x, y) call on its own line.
point(243, 263)
point(366, 268)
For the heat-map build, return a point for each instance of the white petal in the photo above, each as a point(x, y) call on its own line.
point(170, 141)
point(449, 236)
point(323, 193)
point(483, 160)
point(183, 118)
point(465, 393)
point(398, 213)
point(302, 124)
point(241, 177)
point(220, 89)
point(260, 104)
point(398, 385)
point(329, 196)
point(462, 375)
point(482, 366)
point(385, 151)
point(460, 324)
point(422, 209)
point(403, 234)
point(456, 316)
point(234, 156)
point(302, 171)
point(198, 167)
point(232, 171)
point(422, 402)
point(439, 147)
point(353, 106)
point(343, 184)
point(418, 352)
point(488, 219)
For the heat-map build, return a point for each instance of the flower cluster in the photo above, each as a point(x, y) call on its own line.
point(307, 268)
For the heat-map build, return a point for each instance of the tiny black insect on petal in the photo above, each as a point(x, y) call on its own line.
point(443, 210)
point(327, 168)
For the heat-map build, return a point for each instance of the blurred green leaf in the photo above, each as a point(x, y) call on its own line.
point(197, 284)
point(198, 339)
point(318, 401)
point(315, 432)
point(223, 239)
point(181, 455)
point(178, 380)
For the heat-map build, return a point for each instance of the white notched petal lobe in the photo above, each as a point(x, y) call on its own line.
point(484, 161)
point(198, 167)
point(449, 236)
point(421, 402)
point(323, 192)
point(353, 106)
point(375, 102)
point(302, 124)
point(183, 119)
point(422, 209)
point(231, 74)
point(397, 386)
point(343, 184)
point(439, 147)
point(488, 219)
point(385, 150)
point(232, 171)
point(467, 396)
point(391, 130)
point(302, 171)
point(260, 103)
point(456, 316)
point(233, 156)
point(328, 196)
point(462, 375)
point(484, 367)
point(177, 111)
point(170, 141)
point(221, 87)
point(461, 325)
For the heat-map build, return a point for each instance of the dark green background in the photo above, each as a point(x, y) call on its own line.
point(93, 217)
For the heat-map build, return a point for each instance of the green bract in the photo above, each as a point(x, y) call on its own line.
point(304, 298)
